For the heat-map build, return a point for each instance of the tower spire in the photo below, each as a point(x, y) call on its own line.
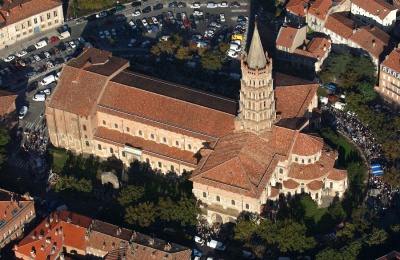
point(256, 57)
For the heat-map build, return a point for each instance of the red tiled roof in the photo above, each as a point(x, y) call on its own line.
point(150, 147)
point(340, 25)
point(56, 232)
point(307, 144)
point(160, 108)
point(286, 36)
point(298, 7)
point(241, 163)
point(290, 184)
point(320, 9)
point(299, 97)
point(372, 6)
point(316, 48)
point(274, 193)
point(82, 81)
point(313, 171)
point(7, 100)
point(394, 255)
point(315, 185)
point(11, 205)
point(393, 60)
point(337, 175)
point(281, 80)
point(21, 9)
point(282, 138)
point(371, 39)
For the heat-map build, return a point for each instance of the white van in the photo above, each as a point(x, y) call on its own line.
point(216, 245)
point(40, 44)
point(22, 112)
point(49, 79)
point(339, 105)
point(64, 35)
point(39, 97)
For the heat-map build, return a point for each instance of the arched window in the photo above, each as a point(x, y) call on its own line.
point(172, 168)
point(302, 160)
point(281, 170)
point(127, 129)
point(159, 164)
point(140, 133)
point(116, 125)
point(99, 146)
point(218, 198)
point(104, 122)
point(296, 159)
point(84, 128)
point(147, 161)
point(176, 143)
point(189, 146)
point(87, 143)
point(309, 160)
point(111, 150)
point(164, 140)
point(152, 136)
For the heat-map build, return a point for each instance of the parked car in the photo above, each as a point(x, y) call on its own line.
point(195, 5)
point(101, 34)
point(54, 39)
point(72, 43)
point(158, 6)
point(101, 15)
point(223, 4)
point(131, 43)
point(37, 58)
point(21, 53)
point(146, 9)
point(107, 34)
point(144, 44)
point(9, 58)
point(136, 12)
point(120, 7)
point(120, 17)
point(30, 74)
point(22, 112)
point(136, 4)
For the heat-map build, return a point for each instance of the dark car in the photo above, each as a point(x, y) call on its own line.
point(139, 23)
point(31, 87)
point(235, 4)
point(91, 17)
point(173, 5)
point(112, 11)
point(181, 5)
point(135, 4)
point(146, 9)
point(193, 25)
point(31, 48)
point(120, 7)
point(158, 7)
point(61, 46)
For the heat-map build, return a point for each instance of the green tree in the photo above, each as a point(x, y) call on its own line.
point(223, 47)
point(130, 194)
point(183, 53)
point(366, 89)
point(352, 251)
point(167, 209)
point(348, 232)
point(155, 50)
point(376, 237)
point(328, 254)
point(188, 211)
point(245, 229)
point(322, 92)
point(143, 214)
point(391, 177)
point(337, 213)
point(348, 80)
point(287, 236)
point(211, 60)
point(4, 139)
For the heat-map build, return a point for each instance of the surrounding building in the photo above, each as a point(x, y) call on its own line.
point(339, 28)
point(296, 11)
point(394, 255)
point(317, 14)
point(64, 233)
point(292, 46)
point(17, 211)
point(20, 19)
point(389, 77)
point(376, 12)
point(371, 41)
point(273, 149)
point(7, 107)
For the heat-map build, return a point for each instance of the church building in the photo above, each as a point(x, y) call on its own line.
point(240, 159)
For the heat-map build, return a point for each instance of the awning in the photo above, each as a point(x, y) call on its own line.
point(377, 173)
point(375, 165)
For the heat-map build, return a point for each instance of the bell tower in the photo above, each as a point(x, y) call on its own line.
point(257, 100)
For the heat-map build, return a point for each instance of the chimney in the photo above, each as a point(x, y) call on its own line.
point(373, 42)
point(304, 48)
point(5, 213)
point(104, 245)
point(33, 253)
point(119, 230)
point(69, 220)
point(8, 13)
point(386, 57)
point(324, 47)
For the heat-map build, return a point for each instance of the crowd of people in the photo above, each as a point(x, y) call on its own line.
point(347, 123)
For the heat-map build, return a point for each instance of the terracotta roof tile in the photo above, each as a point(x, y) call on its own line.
point(372, 6)
point(274, 193)
point(290, 184)
point(12, 204)
point(320, 9)
point(307, 144)
point(298, 7)
point(286, 36)
point(393, 60)
point(315, 185)
point(157, 107)
point(371, 39)
point(337, 175)
point(21, 9)
point(150, 147)
point(55, 231)
point(7, 100)
point(241, 162)
point(299, 97)
point(282, 139)
point(340, 24)
point(316, 48)
point(313, 171)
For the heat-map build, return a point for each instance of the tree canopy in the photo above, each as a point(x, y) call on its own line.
point(4, 139)
point(130, 194)
point(71, 183)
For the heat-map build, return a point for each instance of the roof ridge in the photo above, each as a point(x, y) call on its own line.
point(247, 176)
